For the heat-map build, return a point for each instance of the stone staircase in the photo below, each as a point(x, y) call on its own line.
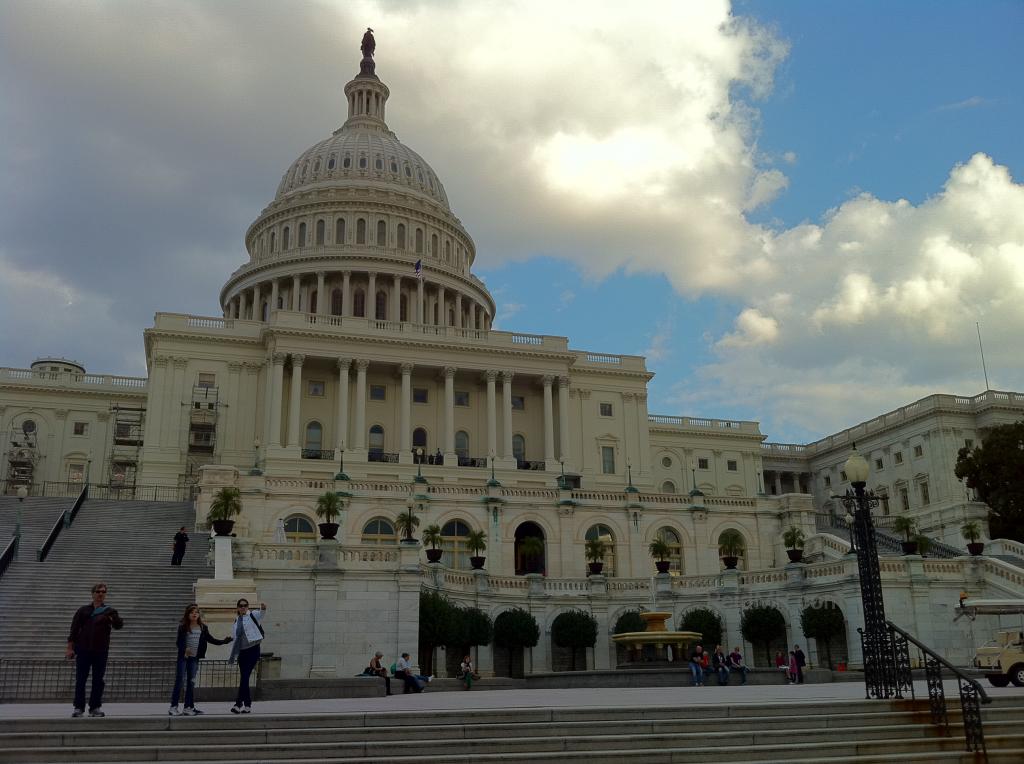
point(37, 518)
point(838, 732)
point(127, 545)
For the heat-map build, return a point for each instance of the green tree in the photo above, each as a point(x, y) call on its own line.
point(226, 504)
point(515, 630)
point(532, 549)
point(705, 622)
point(432, 535)
point(407, 522)
point(760, 626)
point(823, 624)
point(630, 621)
point(793, 538)
point(437, 622)
point(659, 549)
point(477, 542)
point(906, 526)
point(995, 471)
point(469, 626)
point(328, 506)
point(576, 630)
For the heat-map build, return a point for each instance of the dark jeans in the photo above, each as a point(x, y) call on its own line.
point(247, 660)
point(186, 674)
point(723, 674)
point(178, 556)
point(799, 674)
point(86, 661)
point(410, 682)
point(742, 671)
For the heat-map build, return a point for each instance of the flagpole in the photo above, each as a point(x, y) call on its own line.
point(982, 348)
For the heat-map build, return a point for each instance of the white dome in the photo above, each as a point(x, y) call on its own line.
point(359, 154)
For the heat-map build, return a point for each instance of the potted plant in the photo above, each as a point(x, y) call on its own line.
point(660, 549)
point(328, 507)
point(971, 531)
point(595, 550)
point(924, 543)
point(531, 548)
point(794, 541)
point(730, 545)
point(906, 526)
point(477, 542)
point(407, 523)
point(226, 504)
point(432, 536)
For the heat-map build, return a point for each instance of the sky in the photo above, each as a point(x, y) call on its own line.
point(798, 212)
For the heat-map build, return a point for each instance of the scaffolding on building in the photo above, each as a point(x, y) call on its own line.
point(202, 431)
point(22, 454)
point(127, 430)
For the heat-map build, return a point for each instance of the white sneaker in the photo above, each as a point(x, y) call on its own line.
point(193, 712)
point(430, 679)
point(173, 711)
point(246, 709)
point(236, 709)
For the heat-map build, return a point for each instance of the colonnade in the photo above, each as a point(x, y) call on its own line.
point(775, 487)
point(351, 436)
point(356, 293)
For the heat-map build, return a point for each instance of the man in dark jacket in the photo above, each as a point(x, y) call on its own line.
point(697, 664)
point(180, 540)
point(88, 644)
point(720, 665)
point(801, 661)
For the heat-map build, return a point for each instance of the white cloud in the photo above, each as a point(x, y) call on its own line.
point(660, 344)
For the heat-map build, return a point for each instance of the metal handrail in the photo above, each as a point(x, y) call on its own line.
point(972, 694)
point(65, 519)
point(9, 554)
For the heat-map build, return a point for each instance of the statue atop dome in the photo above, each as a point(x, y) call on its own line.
point(368, 46)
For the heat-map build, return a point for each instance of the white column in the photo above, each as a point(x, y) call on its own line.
point(360, 434)
point(458, 309)
point(549, 423)
point(442, 313)
point(276, 392)
point(492, 414)
point(563, 418)
point(295, 292)
point(273, 297)
point(396, 299)
point(406, 419)
point(506, 401)
point(154, 410)
point(232, 427)
point(256, 313)
point(472, 315)
point(419, 301)
point(342, 432)
point(346, 293)
point(449, 415)
point(371, 296)
point(321, 303)
point(296, 399)
point(243, 303)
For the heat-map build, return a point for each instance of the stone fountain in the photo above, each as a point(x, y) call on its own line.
point(652, 645)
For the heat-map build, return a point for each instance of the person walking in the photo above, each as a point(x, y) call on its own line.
point(193, 637)
point(720, 665)
point(736, 664)
point(801, 662)
point(89, 644)
point(180, 540)
point(245, 648)
point(697, 664)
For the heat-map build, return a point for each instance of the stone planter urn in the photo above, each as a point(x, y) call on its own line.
point(909, 547)
point(434, 555)
point(730, 562)
point(595, 568)
point(795, 555)
point(328, 531)
point(477, 563)
point(223, 527)
point(663, 565)
point(975, 548)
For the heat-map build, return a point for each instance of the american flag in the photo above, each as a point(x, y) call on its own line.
point(419, 269)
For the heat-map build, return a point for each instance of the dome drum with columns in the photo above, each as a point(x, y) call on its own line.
point(352, 217)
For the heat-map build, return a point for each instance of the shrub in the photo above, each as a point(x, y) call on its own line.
point(762, 625)
point(328, 507)
point(823, 624)
point(706, 622)
point(576, 630)
point(226, 504)
point(630, 621)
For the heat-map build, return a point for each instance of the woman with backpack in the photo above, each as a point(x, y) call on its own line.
point(193, 637)
point(248, 634)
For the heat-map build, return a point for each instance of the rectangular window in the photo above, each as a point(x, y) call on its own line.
point(918, 451)
point(905, 499)
point(81, 428)
point(828, 481)
point(518, 403)
point(731, 465)
point(702, 464)
point(315, 388)
point(885, 504)
point(878, 464)
point(420, 395)
point(461, 398)
point(76, 473)
point(925, 496)
point(842, 475)
point(207, 380)
point(378, 393)
point(606, 409)
point(608, 460)
point(898, 457)
point(968, 443)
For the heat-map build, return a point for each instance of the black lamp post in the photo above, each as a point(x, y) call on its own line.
point(881, 677)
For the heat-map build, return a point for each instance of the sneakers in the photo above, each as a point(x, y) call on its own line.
point(173, 711)
point(96, 714)
point(246, 709)
point(193, 712)
point(236, 709)
point(78, 712)
point(430, 679)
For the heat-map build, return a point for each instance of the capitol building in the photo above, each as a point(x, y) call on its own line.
point(353, 352)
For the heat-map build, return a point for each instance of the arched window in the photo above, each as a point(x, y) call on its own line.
point(359, 303)
point(433, 245)
point(519, 448)
point(346, 162)
point(286, 236)
point(336, 305)
point(403, 308)
point(462, 443)
point(419, 241)
point(339, 231)
point(447, 251)
point(381, 305)
point(377, 439)
point(316, 165)
point(314, 436)
point(264, 311)
point(419, 438)
point(331, 162)
point(302, 234)
point(360, 231)
point(299, 528)
point(453, 543)
point(321, 228)
point(382, 233)
point(675, 545)
point(732, 541)
point(273, 241)
point(668, 487)
point(394, 166)
point(604, 533)
point(400, 235)
point(379, 532)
